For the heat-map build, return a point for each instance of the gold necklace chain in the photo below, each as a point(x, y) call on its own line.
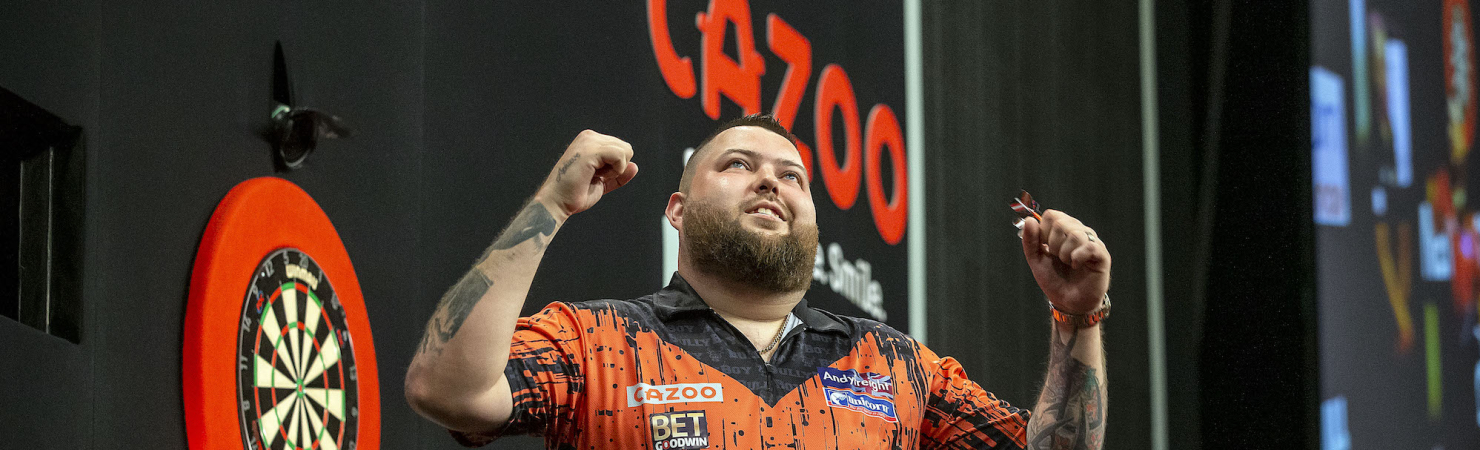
point(779, 332)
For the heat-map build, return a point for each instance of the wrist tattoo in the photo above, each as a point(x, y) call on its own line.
point(561, 175)
point(1071, 411)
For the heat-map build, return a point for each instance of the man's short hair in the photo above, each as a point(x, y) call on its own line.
point(761, 120)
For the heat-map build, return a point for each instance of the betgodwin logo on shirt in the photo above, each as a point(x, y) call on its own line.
point(643, 393)
point(868, 393)
point(679, 430)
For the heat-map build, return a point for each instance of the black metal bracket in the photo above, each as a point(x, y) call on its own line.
point(296, 130)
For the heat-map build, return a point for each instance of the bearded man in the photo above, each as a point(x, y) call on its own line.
point(729, 355)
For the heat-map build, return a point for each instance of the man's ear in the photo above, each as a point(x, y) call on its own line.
point(674, 211)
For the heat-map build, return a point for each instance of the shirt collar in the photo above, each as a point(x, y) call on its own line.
point(679, 298)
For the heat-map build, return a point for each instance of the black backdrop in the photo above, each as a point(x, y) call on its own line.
point(1042, 96)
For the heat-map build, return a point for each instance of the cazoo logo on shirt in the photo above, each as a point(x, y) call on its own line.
point(643, 393)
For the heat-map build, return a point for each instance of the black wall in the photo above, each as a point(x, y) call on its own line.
point(1238, 237)
point(172, 98)
point(1257, 359)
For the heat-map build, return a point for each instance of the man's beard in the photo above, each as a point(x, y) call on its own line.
point(722, 248)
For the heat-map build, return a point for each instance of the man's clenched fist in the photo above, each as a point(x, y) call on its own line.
point(592, 165)
point(1069, 261)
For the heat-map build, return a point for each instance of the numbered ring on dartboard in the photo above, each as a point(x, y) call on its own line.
point(297, 380)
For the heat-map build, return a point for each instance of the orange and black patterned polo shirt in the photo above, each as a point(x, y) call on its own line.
point(666, 372)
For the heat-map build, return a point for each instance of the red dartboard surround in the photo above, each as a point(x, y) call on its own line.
point(277, 339)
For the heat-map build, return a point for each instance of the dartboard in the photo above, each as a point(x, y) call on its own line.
point(278, 350)
point(297, 382)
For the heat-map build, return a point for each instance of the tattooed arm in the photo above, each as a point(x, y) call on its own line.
point(457, 376)
point(1072, 266)
point(1071, 409)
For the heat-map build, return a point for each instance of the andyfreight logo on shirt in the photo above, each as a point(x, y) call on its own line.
point(679, 430)
point(867, 383)
point(868, 393)
point(643, 393)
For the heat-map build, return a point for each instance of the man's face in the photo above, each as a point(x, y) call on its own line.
point(749, 215)
point(757, 177)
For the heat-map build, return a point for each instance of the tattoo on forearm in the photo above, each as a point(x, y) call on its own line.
point(1071, 411)
point(456, 304)
point(533, 222)
point(566, 166)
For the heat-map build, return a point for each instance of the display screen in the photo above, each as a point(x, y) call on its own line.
point(1392, 87)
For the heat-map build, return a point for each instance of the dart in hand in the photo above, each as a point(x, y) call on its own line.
point(1024, 207)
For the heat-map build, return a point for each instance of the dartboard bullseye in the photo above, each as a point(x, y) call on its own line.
point(296, 381)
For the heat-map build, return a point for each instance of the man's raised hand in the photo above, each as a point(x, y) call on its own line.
point(594, 164)
point(1069, 261)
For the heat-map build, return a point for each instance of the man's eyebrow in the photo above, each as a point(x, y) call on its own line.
point(755, 155)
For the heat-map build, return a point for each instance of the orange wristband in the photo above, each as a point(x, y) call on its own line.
point(1085, 320)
